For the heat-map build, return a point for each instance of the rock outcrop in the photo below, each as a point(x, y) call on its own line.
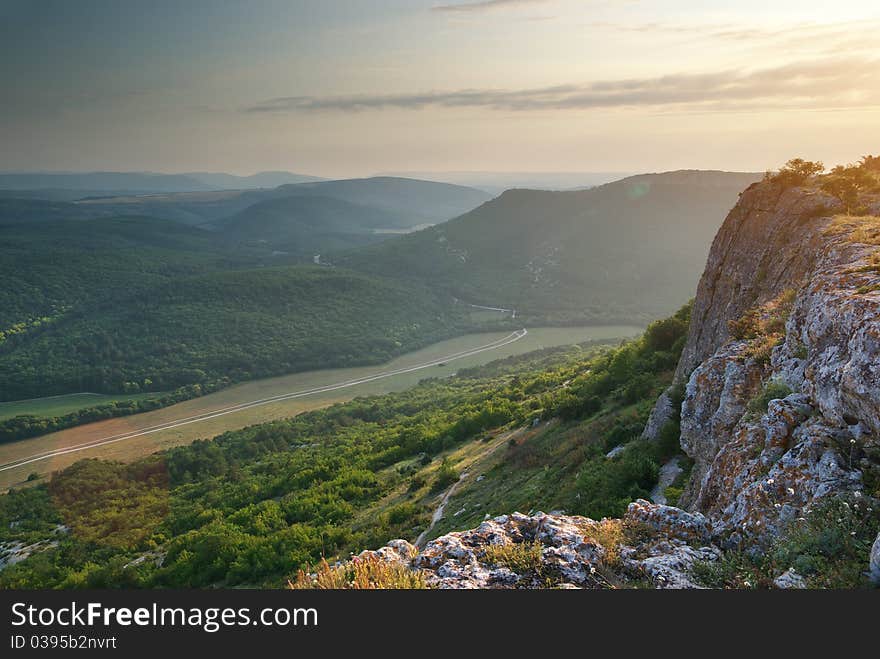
point(874, 566)
point(652, 545)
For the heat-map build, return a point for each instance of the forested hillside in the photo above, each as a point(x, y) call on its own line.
point(629, 250)
point(306, 225)
point(141, 304)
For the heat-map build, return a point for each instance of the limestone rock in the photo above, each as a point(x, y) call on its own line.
point(874, 563)
point(790, 580)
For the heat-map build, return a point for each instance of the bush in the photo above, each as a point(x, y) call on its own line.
point(446, 475)
point(607, 487)
point(772, 390)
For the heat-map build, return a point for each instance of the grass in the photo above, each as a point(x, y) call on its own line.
point(60, 405)
point(522, 558)
point(828, 547)
point(860, 228)
point(360, 573)
point(142, 446)
point(764, 326)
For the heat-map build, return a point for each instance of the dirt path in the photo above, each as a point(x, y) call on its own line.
point(438, 513)
point(668, 473)
point(501, 440)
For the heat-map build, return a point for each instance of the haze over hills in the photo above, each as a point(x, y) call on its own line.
point(628, 250)
point(310, 224)
point(223, 181)
point(422, 202)
point(403, 203)
point(142, 182)
point(497, 182)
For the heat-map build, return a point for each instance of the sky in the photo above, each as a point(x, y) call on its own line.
point(356, 87)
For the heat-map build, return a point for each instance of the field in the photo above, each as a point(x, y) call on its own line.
point(59, 405)
point(144, 445)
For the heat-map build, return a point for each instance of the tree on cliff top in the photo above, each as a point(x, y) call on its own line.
point(796, 172)
point(847, 183)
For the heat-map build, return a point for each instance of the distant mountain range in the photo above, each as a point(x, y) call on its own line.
point(497, 182)
point(299, 218)
point(92, 183)
point(629, 250)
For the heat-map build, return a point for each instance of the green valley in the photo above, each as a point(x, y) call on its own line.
point(252, 506)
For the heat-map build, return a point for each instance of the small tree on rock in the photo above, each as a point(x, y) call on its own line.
point(796, 172)
point(847, 183)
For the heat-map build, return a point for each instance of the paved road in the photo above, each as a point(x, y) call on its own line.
point(495, 345)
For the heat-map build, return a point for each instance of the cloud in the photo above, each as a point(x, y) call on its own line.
point(487, 5)
point(806, 85)
point(814, 36)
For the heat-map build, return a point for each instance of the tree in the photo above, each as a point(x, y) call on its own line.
point(847, 183)
point(797, 172)
point(871, 163)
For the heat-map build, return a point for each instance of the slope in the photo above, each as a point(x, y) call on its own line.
point(629, 250)
point(304, 225)
point(141, 304)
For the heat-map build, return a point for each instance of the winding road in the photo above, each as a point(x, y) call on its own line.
point(495, 345)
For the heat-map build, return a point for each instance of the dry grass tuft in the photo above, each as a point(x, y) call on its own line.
point(367, 573)
point(522, 558)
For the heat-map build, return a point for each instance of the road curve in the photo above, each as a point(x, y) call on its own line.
point(168, 425)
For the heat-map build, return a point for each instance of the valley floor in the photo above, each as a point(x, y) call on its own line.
point(141, 445)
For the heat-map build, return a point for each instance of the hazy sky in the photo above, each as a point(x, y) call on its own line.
point(352, 87)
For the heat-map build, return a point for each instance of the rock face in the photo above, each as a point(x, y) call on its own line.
point(875, 562)
point(757, 470)
point(770, 241)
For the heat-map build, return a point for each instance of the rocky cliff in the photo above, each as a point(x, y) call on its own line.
point(780, 413)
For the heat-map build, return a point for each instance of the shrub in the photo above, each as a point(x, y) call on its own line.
point(663, 334)
point(772, 390)
point(446, 475)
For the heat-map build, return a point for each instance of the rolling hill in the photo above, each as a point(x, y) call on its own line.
point(415, 202)
point(222, 181)
point(631, 250)
point(406, 203)
point(107, 181)
point(306, 225)
point(106, 304)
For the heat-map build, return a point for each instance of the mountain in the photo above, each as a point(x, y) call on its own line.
point(106, 181)
point(628, 250)
point(405, 203)
point(415, 202)
point(221, 181)
point(309, 224)
point(497, 182)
